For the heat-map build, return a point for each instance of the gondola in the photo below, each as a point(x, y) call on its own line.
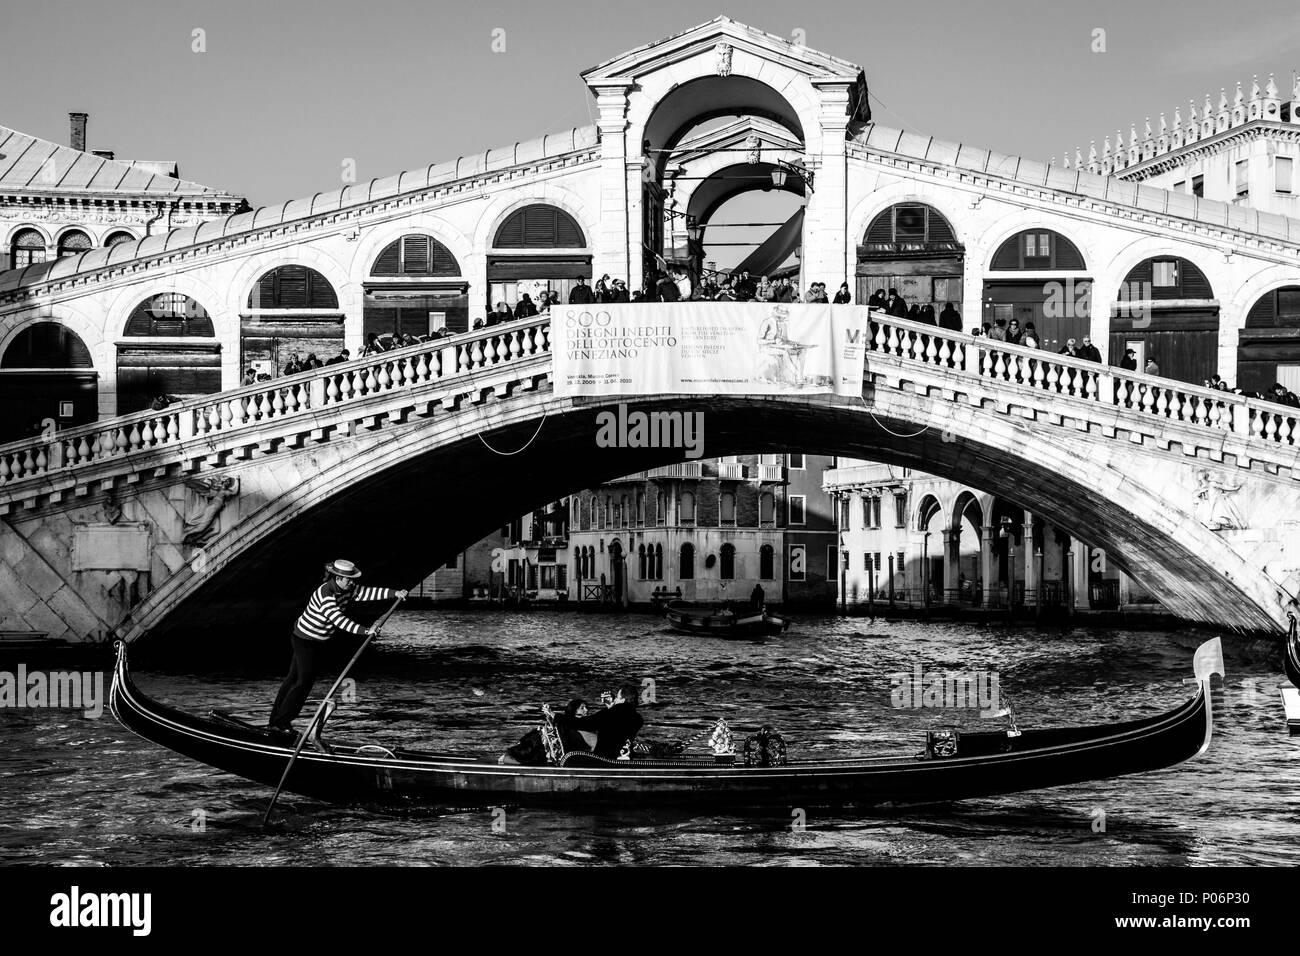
point(952, 766)
point(724, 621)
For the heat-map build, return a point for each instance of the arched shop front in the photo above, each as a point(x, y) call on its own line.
point(46, 373)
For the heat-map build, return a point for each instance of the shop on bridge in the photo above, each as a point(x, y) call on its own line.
point(169, 347)
point(46, 373)
point(1167, 312)
point(911, 247)
point(538, 249)
point(292, 309)
point(1268, 348)
point(415, 288)
point(1040, 276)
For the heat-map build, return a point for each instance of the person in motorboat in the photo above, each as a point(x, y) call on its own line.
point(325, 614)
point(757, 599)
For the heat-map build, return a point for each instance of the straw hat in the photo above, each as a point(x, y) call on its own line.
point(343, 569)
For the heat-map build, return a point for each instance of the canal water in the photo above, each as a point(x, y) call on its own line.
point(86, 791)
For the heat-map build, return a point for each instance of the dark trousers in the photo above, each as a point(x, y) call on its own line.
point(297, 686)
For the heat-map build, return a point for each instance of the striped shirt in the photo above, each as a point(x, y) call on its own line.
point(326, 611)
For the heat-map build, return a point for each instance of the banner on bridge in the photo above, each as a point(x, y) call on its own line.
point(712, 348)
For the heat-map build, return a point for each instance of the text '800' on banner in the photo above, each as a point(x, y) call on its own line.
point(715, 348)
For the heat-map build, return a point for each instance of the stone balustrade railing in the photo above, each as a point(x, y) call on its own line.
point(243, 410)
point(1075, 378)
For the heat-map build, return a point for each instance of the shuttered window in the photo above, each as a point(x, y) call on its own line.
point(539, 227)
point(293, 287)
point(909, 222)
point(1282, 167)
point(169, 314)
point(1037, 249)
point(416, 256)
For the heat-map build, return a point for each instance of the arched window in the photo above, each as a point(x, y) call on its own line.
point(1268, 348)
point(400, 307)
point(687, 508)
point(292, 310)
point(910, 223)
point(641, 565)
point(180, 370)
point(1166, 310)
point(623, 511)
point(766, 562)
point(47, 345)
point(73, 242)
point(27, 248)
point(1036, 249)
point(535, 254)
point(169, 314)
point(727, 564)
point(608, 512)
point(911, 247)
point(415, 256)
point(686, 563)
point(727, 508)
point(539, 226)
point(117, 238)
point(578, 564)
point(293, 287)
point(47, 374)
point(659, 562)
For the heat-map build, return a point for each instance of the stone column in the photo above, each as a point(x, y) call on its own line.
point(987, 538)
point(1082, 598)
point(951, 564)
point(611, 244)
point(825, 243)
point(1030, 558)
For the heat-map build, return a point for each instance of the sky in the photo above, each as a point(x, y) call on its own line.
point(287, 91)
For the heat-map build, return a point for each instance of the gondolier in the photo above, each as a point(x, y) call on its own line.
point(326, 613)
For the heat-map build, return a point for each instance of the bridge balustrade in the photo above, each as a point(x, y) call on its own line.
point(248, 407)
point(1076, 378)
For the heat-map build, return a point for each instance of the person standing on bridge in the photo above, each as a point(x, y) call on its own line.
point(326, 613)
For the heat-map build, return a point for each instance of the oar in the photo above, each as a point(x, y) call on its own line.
point(321, 709)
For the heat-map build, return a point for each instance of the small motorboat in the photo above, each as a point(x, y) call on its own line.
point(953, 765)
point(724, 620)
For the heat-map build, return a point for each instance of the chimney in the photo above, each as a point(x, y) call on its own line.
point(78, 131)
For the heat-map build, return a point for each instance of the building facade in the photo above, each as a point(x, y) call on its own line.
point(705, 531)
point(59, 201)
point(909, 538)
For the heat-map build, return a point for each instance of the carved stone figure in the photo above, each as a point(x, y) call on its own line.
point(1214, 508)
point(212, 495)
point(754, 145)
point(723, 52)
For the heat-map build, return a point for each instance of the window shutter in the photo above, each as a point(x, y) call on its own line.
point(415, 255)
point(882, 227)
point(387, 263)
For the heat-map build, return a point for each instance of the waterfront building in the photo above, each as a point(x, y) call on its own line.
point(1241, 149)
point(914, 539)
point(704, 531)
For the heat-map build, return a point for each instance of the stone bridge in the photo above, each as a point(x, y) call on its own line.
point(215, 515)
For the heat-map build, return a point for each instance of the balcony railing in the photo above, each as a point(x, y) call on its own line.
point(771, 473)
point(731, 471)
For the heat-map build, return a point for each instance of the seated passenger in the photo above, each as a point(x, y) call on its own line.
point(614, 726)
point(570, 736)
